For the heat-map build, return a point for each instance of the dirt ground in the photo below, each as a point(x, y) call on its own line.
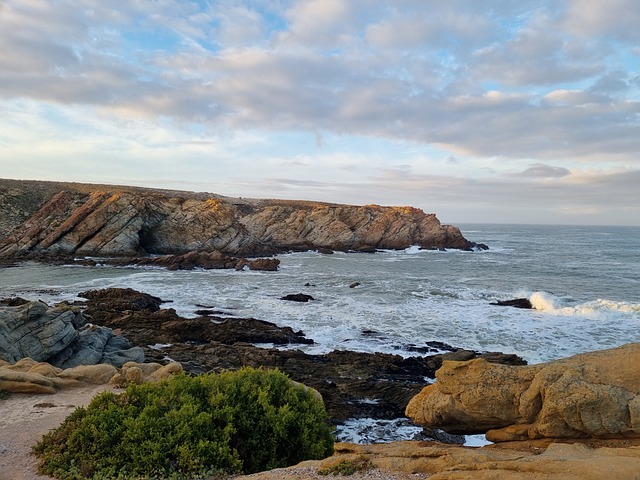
point(24, 418)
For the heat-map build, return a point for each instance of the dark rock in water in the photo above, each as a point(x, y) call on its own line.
point(117, 308)
point(354, 285)
point(353, 384)
point(516, 302)
point(263, 264)
point(121, 300)
point(209, 313)
point(297, 297)
point(478, 246)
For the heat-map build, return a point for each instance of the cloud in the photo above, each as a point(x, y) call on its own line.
point(540, 170)
point(481, 88)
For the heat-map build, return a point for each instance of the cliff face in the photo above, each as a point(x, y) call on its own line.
point(85, 220)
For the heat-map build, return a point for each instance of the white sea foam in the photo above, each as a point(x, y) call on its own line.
point(407, 297)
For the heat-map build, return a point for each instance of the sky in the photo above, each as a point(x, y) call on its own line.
point(503, 111)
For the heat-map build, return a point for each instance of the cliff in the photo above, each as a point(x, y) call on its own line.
point(47, 219)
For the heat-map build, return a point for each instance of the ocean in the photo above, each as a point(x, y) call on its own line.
point(584, 282)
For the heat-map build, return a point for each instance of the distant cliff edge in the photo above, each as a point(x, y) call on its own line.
point(54, 219)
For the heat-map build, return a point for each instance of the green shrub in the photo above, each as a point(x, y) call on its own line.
point(244, 421)
point(3, 394)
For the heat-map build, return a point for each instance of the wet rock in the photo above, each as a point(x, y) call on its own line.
point(516, 302)
point(297, 297)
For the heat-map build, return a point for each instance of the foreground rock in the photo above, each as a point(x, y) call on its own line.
point(59, 335)
point(29, 376)
point(532, 460)
point(54, 220)
point(589, 395)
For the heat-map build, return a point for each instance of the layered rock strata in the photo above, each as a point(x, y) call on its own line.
point(59, 335)
point(588, 395)
point(75, 220)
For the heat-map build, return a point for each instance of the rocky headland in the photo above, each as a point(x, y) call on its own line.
point(54, 221)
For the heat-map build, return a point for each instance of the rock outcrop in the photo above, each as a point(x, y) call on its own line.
point(588, 395)
point(59, 335)
point(532, 460)
point(29, 376)
point(353, 384)
point(78, 220)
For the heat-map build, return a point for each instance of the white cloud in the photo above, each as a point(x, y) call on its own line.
point(496, 87)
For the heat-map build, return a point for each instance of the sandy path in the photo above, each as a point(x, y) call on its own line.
point(25, 418)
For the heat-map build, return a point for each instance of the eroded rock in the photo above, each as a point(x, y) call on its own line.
point(29, 376)
point(589, 395)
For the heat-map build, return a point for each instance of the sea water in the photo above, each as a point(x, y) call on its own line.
point(583, 281)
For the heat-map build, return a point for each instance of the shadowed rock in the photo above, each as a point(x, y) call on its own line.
point(59, 335)
point(516, 302)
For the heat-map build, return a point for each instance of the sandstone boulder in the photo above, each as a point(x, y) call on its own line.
point(532, 460)
point(588, 395)
point(29, 376)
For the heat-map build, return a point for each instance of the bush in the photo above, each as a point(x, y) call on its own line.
point(189, 427)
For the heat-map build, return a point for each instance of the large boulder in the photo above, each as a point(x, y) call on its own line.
point(588, 395)
point(36, 330)
point(59, 335)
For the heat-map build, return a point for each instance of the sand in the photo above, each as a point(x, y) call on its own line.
point(25, 418)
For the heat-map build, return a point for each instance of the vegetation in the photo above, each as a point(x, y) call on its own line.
point(190, 427)
point(3, 394)
point(348, 467)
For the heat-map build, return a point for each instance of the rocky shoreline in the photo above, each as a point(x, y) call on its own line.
point(353, 384)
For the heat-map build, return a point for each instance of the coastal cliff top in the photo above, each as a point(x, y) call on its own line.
point(59, 219)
